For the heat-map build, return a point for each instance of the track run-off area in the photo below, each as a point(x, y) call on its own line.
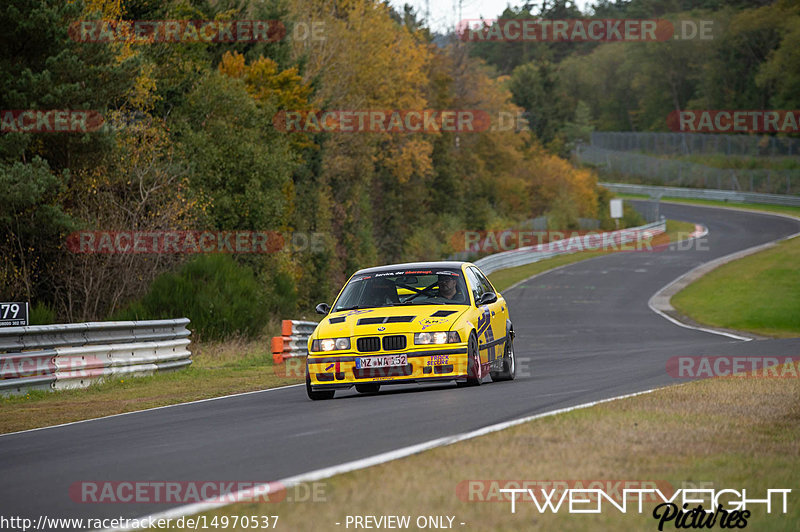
point(585, 332)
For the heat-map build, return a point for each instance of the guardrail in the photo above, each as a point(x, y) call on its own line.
point(293, 341)
point(73, 355)
point(708, 194)
point(530, 254)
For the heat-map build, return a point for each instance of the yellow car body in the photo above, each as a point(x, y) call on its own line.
point(374, 345)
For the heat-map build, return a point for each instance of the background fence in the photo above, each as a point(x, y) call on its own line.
point(696, 144)
point(53, 357)
point(638, 168)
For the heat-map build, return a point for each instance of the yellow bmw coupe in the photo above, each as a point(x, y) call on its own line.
point(415, 322)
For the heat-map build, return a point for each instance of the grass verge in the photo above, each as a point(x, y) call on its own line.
point(779, 209)
point(726, 433)
point(759, 293)
point(504, 279)
point(218, 369)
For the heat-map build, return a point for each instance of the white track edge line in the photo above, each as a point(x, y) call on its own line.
point(150, 409)
point(742, 251)
point(679, 323)
point(362, 463)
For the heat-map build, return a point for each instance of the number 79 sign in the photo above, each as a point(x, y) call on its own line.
point(13, 314)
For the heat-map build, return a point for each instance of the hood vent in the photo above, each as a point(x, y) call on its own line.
point(385, 319)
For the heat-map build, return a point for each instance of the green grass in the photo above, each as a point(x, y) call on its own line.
point(759, 293)
point(503, 279)
point(780, 209)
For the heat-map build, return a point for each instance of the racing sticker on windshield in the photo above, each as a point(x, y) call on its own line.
point(385, 274)
point(448, 273)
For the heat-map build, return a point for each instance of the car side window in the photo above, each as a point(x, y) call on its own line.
point(485, 284)
point(474, 284)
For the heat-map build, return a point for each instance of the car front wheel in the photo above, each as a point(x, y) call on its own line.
point(317, 395)
point(474, 375)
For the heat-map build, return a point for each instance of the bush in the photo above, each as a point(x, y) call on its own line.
point(41, 314)
point(221, 297)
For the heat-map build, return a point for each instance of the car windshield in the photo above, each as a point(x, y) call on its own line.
point(403, 287)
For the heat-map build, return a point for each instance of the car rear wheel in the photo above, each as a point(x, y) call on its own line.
point(474, 375)
point(368, 388)
point(317, 395)
point(509, 364)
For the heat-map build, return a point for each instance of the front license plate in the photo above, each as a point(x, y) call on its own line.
point(387, 361)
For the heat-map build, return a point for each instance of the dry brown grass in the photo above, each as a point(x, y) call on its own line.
point(722, 433)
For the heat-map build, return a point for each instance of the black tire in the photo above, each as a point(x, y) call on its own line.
point(509, 369)
point(317, 395)
point(368, 388)
point(474, 376)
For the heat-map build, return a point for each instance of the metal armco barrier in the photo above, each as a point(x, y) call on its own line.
point(293, 341)
point(55, 357)
point(702, 193)
point(530, 254)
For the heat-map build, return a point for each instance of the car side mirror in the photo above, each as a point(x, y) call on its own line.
point(486, 298)
point(323, 308)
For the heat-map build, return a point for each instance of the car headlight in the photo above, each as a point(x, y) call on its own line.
point(330, 344)
point(425, 338)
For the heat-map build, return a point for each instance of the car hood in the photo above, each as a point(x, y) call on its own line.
point(402, 319)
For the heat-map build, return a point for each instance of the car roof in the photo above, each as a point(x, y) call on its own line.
point(452, 264)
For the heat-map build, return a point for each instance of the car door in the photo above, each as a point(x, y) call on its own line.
point(499, 313)
point(491, 323)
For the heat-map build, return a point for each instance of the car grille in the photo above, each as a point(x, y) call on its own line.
point(394, 343)
point(368, 344)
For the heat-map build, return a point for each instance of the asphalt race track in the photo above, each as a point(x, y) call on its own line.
point(584, 332)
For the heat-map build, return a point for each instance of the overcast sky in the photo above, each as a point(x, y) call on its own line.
point(445, 12)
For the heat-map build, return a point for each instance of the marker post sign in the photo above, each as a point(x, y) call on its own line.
point(616, 210)
point(13, 314)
